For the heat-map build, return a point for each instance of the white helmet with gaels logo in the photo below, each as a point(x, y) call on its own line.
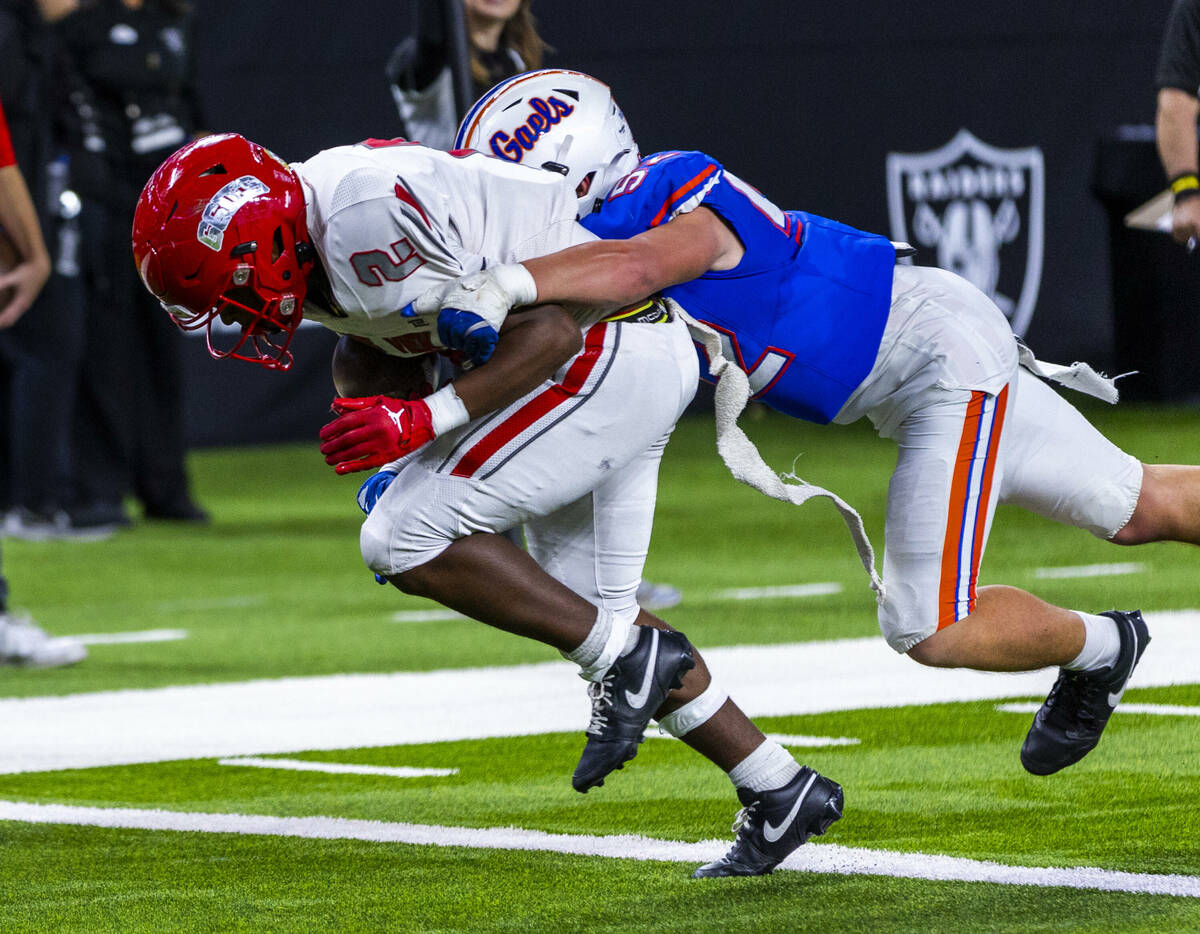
point(563, 121)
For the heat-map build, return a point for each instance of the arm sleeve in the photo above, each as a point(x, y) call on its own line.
point(419, 76)
point(1179, 59)
point(428, 115)
point(7, 157)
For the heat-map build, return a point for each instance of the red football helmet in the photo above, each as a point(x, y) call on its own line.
point(220, 234)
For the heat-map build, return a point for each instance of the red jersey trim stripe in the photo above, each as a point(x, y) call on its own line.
point(408, 198)
point(536, 408)
point(679, 193)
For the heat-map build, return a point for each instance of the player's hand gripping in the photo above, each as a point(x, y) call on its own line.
point(371, 431)
point(471, 309)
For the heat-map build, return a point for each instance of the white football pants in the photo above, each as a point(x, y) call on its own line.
point(973, 430)
point(575, 461)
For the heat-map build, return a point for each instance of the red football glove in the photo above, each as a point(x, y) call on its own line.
point(371, 431)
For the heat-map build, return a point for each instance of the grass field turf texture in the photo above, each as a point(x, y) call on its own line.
point(275, 589)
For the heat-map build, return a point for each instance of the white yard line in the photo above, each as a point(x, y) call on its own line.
point(425, 616)
point(265, 717)
point(1161, 710)
point(1089, 570)
point(120, 638)
point(788, 590)
point(337, 768)
point(784, 739)
point(822, 858)
point(798, 739)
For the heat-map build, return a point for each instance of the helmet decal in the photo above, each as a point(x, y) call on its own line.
point(223, 205)
point(546, 114)
point(559, 121)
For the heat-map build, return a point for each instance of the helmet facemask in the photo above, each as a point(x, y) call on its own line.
point(266, 317)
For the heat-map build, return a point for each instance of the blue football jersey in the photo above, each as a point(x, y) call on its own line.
point(804, 310)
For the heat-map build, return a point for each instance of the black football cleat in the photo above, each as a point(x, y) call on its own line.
point(625, 699)
point(773, 823)
point(1068, 725)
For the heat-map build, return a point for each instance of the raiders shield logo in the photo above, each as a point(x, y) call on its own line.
point(980, 209)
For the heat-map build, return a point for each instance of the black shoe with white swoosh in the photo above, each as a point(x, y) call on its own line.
point(773, 823)
point(1068, 725)
point(625, 699)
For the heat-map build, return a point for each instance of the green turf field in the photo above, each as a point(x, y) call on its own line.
point(162, 828)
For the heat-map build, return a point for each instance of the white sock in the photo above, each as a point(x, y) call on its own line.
point(609, 638)
point(769, 766)
point(1101, 643)
point(589, 650)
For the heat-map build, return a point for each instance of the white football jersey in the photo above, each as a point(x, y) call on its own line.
point(390, 218)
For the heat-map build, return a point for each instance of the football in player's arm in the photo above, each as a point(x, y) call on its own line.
point(377, 425)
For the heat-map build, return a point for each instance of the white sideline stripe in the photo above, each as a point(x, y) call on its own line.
point(425, 616)
point(789, 739)
point(1089, 570)
point(288, 715)
point(1162, 710)
point(789, 590)
point(145, 635)
point(798, 739)
point(823, 858)
point(338, 768)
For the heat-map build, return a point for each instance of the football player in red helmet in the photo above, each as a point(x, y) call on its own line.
point(350, 238)
point(220, 234)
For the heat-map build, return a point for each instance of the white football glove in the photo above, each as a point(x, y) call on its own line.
point(489, 293)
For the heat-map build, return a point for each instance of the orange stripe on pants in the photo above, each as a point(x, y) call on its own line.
point(958, 523)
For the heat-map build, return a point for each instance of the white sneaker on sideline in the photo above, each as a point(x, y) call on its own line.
point(651, 596)
point(24, 643)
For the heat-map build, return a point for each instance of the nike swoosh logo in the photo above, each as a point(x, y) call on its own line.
point(638, 701)
point(774, 833)
point(1114, 699)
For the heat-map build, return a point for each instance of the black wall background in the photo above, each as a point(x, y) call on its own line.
point(803, 100)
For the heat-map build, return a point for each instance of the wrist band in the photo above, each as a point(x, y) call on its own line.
point(1185, 185)
point(446, 410)
point(517, 283)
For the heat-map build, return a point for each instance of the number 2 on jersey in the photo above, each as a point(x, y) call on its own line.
point(373, 267)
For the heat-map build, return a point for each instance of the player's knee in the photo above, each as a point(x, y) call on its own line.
point(1152, 513)
point(903, 617)
point(414, 582)
point(934, 651)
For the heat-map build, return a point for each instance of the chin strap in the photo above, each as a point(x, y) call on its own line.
point(742, 457)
